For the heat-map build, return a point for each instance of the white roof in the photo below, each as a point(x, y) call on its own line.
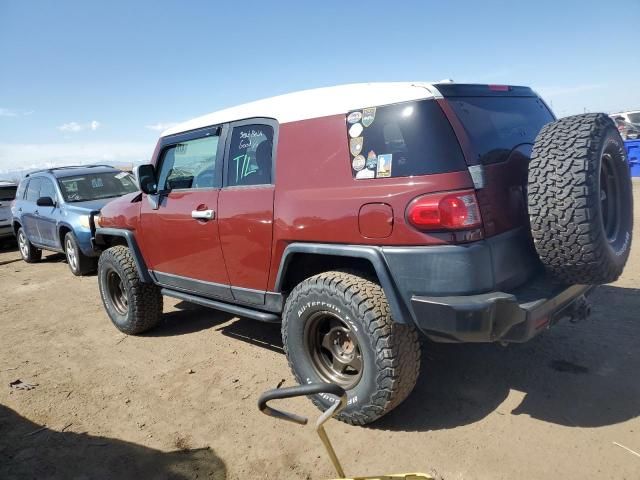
point(319, 102)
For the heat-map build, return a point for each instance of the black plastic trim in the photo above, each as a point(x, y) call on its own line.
point(225, 307)
point(399, 310)
point(191, 285)
point(496, 316)
point(128, 235)
point(269, 301)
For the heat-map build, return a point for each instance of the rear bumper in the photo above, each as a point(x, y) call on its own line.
point(499, 316)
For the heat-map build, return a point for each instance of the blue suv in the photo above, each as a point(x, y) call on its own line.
point(54, 210)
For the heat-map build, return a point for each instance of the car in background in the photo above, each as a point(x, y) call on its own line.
point(54, 210)
point(628, 130)
point(632, 116)
point(7, 195)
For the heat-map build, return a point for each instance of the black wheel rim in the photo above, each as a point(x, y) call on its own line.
point(333, 349)
point(610, 202)
point(117, 293)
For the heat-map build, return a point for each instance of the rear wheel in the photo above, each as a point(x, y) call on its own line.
point(337, 328)
point(29, 253)
point(133, 306)
point(78, 262)
point(580, 199)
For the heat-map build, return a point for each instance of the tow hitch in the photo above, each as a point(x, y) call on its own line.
point(579, 310)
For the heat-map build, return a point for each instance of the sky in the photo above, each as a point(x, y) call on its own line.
point(85, 81)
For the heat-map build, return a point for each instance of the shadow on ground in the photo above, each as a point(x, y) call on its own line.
point(190, 318)
point(579, 375)
point(26, 451)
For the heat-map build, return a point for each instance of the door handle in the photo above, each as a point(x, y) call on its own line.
point(203, 214)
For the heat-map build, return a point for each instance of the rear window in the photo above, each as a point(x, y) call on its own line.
point(402, 140)
point(7, 194)
point(496, 125)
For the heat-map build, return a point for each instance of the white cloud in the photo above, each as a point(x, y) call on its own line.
point(23, 156)
point(160, 127)
point(8, 112)
point(73, 127)
point(70, 127)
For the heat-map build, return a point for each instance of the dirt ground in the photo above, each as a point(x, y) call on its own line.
point(180, 402)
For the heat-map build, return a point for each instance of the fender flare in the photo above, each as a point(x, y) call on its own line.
point(130, 238)
point(399, 310)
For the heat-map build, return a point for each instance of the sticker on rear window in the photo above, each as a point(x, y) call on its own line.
point(384, 165)
point(354, 117)
point(368, 116)
point(121, 175)
point(372, 160)
point(366, 173)
point(355, 145)
point(358, 163)
point(355, 130)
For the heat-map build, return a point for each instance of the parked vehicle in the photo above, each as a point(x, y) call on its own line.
point(362, 214)
point(628, 131)
point(7, 195)
point(54, 210)
point(632, 116)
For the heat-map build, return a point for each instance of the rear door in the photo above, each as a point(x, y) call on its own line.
point(179, 227)
point(28, 209)
point(46, 216)
point(7, 195)
point(245, 207)
point(498, 126)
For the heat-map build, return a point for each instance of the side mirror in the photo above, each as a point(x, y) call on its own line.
point(45, 202)
point(147, 181)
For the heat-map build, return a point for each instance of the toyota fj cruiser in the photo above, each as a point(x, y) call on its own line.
point(361, 215)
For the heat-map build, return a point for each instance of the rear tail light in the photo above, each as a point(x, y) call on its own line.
point(445, 211)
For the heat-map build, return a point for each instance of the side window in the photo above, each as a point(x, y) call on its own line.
point(402, 140)
point(22, 187)
point(47, 189)
point(33, 190)
point(250, 155)
point(189, 164)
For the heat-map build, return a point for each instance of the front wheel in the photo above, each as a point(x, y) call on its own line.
point(337, 328)
point(133, 306)
point(29, 253)
point(78, 262)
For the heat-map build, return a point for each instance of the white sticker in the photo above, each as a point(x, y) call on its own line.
point(366, 173)
point(358, 163)
point(121, 175)
point(355, 130)
point(384, 165)
point(354, 117)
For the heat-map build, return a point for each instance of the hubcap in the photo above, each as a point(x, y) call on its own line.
point(72, 256)
point(22, 242)
point(117, 293)
point(609, 198)
point(334, 350)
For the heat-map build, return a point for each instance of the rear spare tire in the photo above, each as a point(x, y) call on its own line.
point(580, 199)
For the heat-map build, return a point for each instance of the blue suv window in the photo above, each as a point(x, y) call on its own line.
point(33, 190)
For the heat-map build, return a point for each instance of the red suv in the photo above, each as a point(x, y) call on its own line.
point(361, 215)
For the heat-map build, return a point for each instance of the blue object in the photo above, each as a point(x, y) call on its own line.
point(51, 203)
point(633, 154)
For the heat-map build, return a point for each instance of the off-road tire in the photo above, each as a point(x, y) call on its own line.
point(390, 351)
point(78, 262)
point(144, 301)
point(565, 199)
point(28, 252)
